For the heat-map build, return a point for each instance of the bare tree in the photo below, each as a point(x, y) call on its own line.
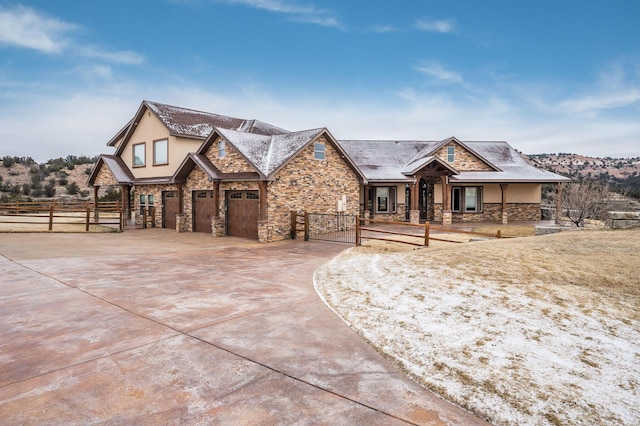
point(588, 199)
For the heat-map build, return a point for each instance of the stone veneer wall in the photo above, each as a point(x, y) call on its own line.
point(156, 191)
point(105, 177)
point(232, 162)
point(398, 216)
point(464, 160)
point(307, 184)
point(493, 212)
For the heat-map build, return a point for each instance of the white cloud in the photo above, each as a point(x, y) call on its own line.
point(126, 57)
point(441, 26)
point(436, 70)
point(385, 29)
point(25, 27)
point(307, 14)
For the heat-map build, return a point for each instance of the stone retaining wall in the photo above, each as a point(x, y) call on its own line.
point(622, 220)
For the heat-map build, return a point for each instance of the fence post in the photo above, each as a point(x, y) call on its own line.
point(426, 233)
point(498, 234)
point(294, 220)
point(358, 242)
point(50, 217)
point(87, 218)
point(306, 226)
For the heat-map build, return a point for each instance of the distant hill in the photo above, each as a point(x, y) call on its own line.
point(622, 174)
point(23, 178)
point(67, 177)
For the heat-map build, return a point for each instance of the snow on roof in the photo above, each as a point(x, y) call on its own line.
point(269, 153)
point(385, 160)
point(199, 124)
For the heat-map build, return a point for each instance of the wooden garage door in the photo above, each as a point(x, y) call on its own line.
point(243, 209)
point(203, 207)
point(170, 209)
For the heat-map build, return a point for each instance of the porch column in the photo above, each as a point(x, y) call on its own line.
point(263, 222)
point(414, 213)
point(216, 199)
point(95, 202)
point(505, 218)
point(365, 209)
point(559, 187)
point(447, 217)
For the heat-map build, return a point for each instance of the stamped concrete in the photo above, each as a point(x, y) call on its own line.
point(155, 327)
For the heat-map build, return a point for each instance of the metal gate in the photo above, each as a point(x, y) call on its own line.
point(339, 228)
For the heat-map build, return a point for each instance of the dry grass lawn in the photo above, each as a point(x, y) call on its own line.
point(537, 330)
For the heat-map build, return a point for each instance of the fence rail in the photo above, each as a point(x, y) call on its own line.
point(62, 213)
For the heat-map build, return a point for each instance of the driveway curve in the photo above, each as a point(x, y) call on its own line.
point(155, 327)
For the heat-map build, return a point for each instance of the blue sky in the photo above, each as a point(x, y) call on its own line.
point(546, 76)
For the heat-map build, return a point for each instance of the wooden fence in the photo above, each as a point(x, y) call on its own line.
point(424, 237)
point(52, 213)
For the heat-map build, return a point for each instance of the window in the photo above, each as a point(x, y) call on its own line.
point(385, 199)
point(160, 152)
point(451, 154)
point(139, 155)
point(466, 199)
point(143, 201)
point(318, 151)
point(221, 149)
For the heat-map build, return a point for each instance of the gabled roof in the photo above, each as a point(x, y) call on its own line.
point(413, 167)
point(212, 172)
point(119, 170)
point(390, 161)
point(268, 154)
point(190, 123)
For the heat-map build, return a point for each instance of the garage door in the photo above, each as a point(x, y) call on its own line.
point(203, 208)
point(243, 209)
point(170, 209)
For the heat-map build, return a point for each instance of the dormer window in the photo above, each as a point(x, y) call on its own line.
point(451, 154)
point(221, 149)
point(318, 151)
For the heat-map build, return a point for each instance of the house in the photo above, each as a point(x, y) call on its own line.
point(195, 171)
point(202, 172)
point(448, 181)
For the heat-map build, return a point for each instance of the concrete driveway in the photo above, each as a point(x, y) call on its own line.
point(155, 327)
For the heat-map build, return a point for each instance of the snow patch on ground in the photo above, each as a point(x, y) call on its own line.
point(525, 353)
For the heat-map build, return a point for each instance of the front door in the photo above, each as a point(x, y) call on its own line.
point(170, 209)
point(203, 208)
point(243, 211)
point(426, 201)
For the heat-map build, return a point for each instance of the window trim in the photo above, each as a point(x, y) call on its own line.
point(155, 142)
point(222, 149)
point(451, 154)
point(319, 154)
point(143, 145)
point(461, 200)
point(392, 200)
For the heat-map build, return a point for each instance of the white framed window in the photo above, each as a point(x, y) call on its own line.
point(451, 154)
point(466, 199)
point(222, 149)
point(318, 151)
point(139, 155)
point(160, 152)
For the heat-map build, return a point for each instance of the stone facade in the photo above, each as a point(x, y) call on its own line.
point(105, 177)
point(146, 190)
point(307, 184)
point(464, 159)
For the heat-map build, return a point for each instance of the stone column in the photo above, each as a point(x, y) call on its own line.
point(414, 213)
point(447, 215)
point(180, 223)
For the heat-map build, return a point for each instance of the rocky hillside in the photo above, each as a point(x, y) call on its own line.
point(23, 178)
point(622, 174)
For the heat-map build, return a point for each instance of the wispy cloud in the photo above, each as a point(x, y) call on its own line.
point(439, 26)
point(385, 29)
point(25, 27)
point(126, 57)
point(28, 28)
point(298, 13)
point(437, 71)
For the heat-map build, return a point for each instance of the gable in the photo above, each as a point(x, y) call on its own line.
point(232, 161)
point(464, 158)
